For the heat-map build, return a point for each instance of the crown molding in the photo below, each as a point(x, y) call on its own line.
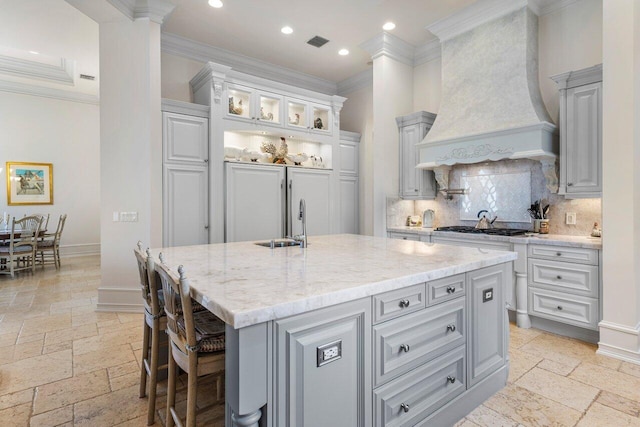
point(155, 10)
point(181, 107)
point(477, 14)
point(191, 49)
point(555, 5)
point(346, 135)
point(355, 82)
point(62, 74)
point(386, 44)
point(427, 52)
point(47, 92)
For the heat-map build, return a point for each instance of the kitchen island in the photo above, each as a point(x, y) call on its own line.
point(354, 330)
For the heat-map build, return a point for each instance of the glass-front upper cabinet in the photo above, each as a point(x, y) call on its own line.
point(249, 104)
point(311, 117)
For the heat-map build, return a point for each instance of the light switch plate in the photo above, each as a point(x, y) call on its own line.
point(570, 218)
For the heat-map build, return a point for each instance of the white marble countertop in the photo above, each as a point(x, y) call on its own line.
point(246, 284)
point(587, 242)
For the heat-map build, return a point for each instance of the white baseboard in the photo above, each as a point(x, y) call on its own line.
point(619, 341)
point(79, 249)
point(126, 300)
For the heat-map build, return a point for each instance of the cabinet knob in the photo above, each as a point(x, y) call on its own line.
point(206, 227)
point(559, 277)
point(405, 348)
point(451, 379)
point(415, 189)
point(451, 328)
point(404, 303)
point(451, 289)
point(559, 307)
point(558, 253)
point(206, 160)
point(404, 407)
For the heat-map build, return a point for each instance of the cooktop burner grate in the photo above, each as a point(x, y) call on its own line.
point(494, 231)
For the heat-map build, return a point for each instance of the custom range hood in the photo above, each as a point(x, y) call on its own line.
point(491, 106)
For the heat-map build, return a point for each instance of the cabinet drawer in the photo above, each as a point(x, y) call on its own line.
point(577, 279)
point(445, 289)
point(472, 243)
point(563, 253)
point(397, 303)
point(570, 309)
point(416, 395)
point(409, 341)
point(403, 236)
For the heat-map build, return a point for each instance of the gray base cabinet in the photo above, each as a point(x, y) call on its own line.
point(312, 392)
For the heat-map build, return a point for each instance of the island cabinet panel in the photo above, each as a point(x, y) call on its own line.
point(417, 394)
point(409, 341)
point(323, 367)
point(487, 341)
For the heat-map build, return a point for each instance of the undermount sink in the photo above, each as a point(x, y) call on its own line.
point(280, 243)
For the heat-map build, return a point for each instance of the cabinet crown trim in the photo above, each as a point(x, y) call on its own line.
point(576, 78)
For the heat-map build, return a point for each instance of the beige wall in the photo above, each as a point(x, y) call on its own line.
point(427, 86)
point(176, 74)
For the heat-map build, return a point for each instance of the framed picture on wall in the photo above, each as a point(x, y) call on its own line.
point(29, 183)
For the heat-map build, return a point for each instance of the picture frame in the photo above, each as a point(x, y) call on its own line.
point(29, 183)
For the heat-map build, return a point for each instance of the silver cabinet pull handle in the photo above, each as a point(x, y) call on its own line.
point(404, 407)
point(405, 348)
point(404, 303)
point(559, 307)
point(559, 277)
point(451, 379)
point(451, 289)
point(569, 184)
point(451, 328)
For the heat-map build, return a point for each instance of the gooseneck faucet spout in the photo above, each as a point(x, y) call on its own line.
point(302, 216)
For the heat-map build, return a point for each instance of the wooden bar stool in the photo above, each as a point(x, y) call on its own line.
point(155, 322)
point(197, 342)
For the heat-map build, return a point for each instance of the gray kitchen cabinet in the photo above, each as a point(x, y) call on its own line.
point(486, 344)
point(415, 183)
point(262, 201)
point(349, 182)
point(564, 287)
point(324, 367)
point(580, 132)
point(185, 176)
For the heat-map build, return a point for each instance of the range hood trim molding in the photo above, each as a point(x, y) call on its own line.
point(538, 141)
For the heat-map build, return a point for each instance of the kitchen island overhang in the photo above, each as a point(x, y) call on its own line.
point(282, 300)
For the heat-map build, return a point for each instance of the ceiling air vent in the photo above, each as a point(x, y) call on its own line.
point(317, 41)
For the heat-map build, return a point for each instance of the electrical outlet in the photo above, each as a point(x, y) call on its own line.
point(570, 218)
point(329, 352)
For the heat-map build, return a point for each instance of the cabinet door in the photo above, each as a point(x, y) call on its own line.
point(185, 205)
point(185, 138)
point(349, 204)
point(487, 327)
point(254, 202)
point(414, 183)
point(314, 186)
point(240, 103)
point(584, 139)
point(323, 369)
point(269, 108)
point(348, 158)
point(320, 120)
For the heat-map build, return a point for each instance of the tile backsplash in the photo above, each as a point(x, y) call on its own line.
point(449, 212)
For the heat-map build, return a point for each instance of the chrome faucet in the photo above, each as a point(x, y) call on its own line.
point(302, 216)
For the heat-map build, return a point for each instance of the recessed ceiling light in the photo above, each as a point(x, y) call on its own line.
point(33, 52)
point(388, 26)
point(215, 3)
point(343, 52)
point(286, 30)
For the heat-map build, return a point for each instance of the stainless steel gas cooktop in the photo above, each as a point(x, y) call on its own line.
point(494, 231)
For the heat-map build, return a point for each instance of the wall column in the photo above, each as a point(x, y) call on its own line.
point(620, 327)
point(392, 97)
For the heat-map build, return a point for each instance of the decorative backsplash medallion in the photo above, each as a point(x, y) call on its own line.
point(507, 195)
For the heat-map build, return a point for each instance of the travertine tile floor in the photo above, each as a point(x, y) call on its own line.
point(63, 364)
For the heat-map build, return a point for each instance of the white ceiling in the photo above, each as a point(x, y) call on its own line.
point(252, 28)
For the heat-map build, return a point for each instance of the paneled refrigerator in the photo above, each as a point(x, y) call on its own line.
point(262, 201)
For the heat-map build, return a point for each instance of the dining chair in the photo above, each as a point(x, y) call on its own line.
point(155, 322)
point(49, 245)
point(197, 342)
point(21, 251)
